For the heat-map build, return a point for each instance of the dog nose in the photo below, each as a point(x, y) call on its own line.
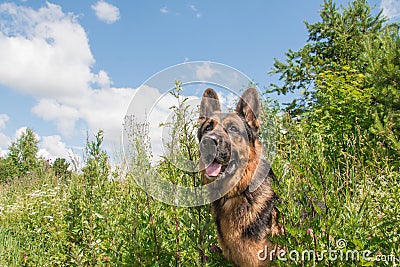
point(214, 148)
point(208, 149)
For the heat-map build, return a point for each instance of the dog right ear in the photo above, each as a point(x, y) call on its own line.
point(209, 104)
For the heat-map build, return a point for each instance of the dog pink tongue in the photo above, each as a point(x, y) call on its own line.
point(213, 169)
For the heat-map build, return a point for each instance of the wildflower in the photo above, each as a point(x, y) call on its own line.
point(283, 131)
point(48, 217)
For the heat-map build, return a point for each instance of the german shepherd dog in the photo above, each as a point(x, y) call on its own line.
point(239, 178)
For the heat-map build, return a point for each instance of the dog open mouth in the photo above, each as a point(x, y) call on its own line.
point(215, 169)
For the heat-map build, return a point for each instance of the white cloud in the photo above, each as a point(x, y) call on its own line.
point(228, 101)
point(391, 8)
point(100, 109)
point(51, 58)
point(48, 49)
point(164, 10)
point(51, 147)
point(195, 9)
point(205, 71)
point(102, 79)
point(4, 141)
point(64, 115)
point(106, 12)
point(3, 119)
point(105, 110)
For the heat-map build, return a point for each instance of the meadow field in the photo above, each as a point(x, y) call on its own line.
point(335, 151)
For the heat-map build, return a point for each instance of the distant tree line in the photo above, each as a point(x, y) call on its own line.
point(22, 160)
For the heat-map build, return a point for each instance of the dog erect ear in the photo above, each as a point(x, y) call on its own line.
point(249, 107)
point(209, 104)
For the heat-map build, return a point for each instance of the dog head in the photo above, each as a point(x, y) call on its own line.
point(229, 145)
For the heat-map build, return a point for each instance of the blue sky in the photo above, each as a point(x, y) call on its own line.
point(71, 67)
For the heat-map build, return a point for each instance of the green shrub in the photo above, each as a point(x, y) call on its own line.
point(60, 168)
point(326, 199)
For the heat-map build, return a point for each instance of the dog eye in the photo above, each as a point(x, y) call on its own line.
point(208, 128)
point(233, 129)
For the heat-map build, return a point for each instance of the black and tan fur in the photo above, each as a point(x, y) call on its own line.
point(244, 215)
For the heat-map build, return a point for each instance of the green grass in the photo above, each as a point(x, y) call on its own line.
point(117, 224)
point(327, 197)
point(328, 192)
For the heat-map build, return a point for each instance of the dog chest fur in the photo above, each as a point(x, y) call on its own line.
point(234, 218)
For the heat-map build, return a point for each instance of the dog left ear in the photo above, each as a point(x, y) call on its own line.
point(249, 107)
point(209, 104)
